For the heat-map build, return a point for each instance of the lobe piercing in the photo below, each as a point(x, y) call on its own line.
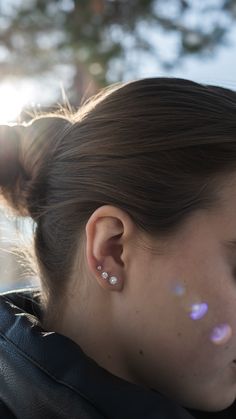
point(113, 280)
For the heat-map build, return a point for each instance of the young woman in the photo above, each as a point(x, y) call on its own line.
point(133, 199)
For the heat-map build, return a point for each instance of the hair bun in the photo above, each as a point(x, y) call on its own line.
point(9, 154)
point(10, 167)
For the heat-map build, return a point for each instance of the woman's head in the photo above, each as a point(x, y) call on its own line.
point(141, 180)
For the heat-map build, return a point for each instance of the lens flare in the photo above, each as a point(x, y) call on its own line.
point(198, 310)
point(13, 98)
point(178, 289)
point(221, 334)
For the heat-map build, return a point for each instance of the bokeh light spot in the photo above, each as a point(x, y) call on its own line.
point(221, 334)
point(178, 289)
point(198, 310)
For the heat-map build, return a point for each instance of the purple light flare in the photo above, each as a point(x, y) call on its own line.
point(198, 310)
point(221, 333)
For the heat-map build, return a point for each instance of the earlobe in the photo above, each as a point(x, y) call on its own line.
point(104, 247)
point(113, 280)
point(106, 279)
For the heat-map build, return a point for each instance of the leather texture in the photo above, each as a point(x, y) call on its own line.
point(45, 375)
point(5, 413)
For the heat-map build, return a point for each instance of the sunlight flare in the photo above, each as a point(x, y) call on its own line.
point(13, 97)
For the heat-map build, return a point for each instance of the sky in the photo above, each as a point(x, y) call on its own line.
point(220, 70)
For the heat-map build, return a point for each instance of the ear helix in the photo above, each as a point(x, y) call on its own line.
point(113, 280)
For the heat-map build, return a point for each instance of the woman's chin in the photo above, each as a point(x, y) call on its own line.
point(217, 405)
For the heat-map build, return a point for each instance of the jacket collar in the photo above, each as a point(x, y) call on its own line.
point(64, 361)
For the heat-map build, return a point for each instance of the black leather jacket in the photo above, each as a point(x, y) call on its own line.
point(47, 375)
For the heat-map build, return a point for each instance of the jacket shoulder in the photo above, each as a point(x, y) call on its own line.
point(5, 412)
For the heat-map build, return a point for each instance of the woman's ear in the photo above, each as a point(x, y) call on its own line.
point(108, 232)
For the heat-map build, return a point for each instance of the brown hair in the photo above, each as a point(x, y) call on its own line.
point(154, 147)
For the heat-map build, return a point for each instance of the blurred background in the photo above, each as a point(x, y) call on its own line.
point(60, 52)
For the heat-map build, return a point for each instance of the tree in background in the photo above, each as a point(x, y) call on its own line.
point(91, 43)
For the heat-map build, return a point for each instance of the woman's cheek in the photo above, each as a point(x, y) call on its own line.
point(204, 323)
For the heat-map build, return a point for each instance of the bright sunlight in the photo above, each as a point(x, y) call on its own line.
point(13, 97)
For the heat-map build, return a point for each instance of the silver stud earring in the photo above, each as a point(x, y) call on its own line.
point(113, 280)
point(105, 275)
